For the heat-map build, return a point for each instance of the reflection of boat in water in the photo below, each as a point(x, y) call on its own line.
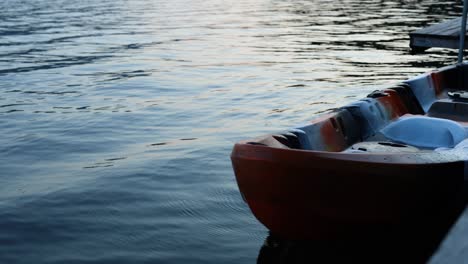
point(396, 159)
point(397, 245)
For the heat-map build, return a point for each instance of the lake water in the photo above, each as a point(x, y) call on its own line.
point(118, 117)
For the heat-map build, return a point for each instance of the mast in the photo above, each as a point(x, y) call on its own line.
point(462, 32)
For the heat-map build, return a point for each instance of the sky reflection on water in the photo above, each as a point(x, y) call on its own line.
point(118, 117)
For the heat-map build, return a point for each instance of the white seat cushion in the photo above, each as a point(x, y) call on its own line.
point(425, 132)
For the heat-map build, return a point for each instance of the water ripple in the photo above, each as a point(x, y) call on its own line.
point(118, 117)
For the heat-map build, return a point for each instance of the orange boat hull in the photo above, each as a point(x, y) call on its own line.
point(318, 195)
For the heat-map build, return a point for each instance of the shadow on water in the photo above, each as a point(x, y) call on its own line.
point(378, 249)
point(412, 242)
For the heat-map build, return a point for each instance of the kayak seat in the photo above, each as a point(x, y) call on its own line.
point(424, 89)
point(332, 132)
point(425, 132)
point(453, 77)
point(391, 101)
point(288, 139)
point(370, 115)
point(409, 100)
point(450, 109)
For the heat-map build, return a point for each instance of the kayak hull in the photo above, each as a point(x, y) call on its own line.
point(306, 195)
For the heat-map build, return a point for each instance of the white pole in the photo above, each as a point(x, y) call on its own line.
point(462, 32)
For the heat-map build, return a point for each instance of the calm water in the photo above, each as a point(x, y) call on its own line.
point(118, 117)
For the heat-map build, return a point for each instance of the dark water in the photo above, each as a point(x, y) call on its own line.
point(118, 117)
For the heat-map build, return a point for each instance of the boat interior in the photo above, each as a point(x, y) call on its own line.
point(423, 114)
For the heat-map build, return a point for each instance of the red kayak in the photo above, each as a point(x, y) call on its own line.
point(395, 158)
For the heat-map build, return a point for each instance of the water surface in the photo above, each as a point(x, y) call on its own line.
point(118, 117)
